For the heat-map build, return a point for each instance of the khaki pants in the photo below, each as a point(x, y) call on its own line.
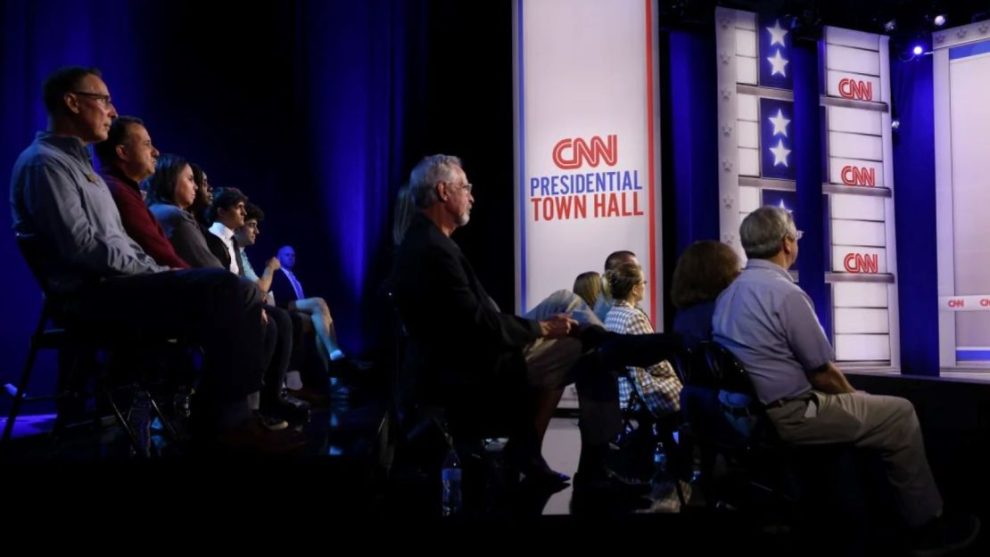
point(883, 423)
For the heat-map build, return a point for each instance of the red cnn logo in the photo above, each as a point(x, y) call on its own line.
point(852, 89)
point(862, 176)
point(861, 263)
point(957, 303)
point(572, 153)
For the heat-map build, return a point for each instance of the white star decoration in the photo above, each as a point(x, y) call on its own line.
point(779, 123)
point(777, 33)
point(778, 62)
point(780, 153)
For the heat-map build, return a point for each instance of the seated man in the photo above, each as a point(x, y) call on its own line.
point(127, 158)
point(228, 214)
point(303, 333)
point(107, 282)
point(466, 353)
point(769, 324)
point(289, 294)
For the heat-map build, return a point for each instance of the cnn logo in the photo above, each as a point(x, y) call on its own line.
point(570, 153)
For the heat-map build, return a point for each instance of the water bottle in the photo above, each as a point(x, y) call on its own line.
point(139, 420)
point(450, 478)
point(660, 459)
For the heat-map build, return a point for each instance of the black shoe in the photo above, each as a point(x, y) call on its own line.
point(611, 482)
point(947, 533)
point(286, 407)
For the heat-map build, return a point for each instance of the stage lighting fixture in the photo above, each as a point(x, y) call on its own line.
point(939, 20)
point(890, 26)
point(917, 50)
point(895, 124)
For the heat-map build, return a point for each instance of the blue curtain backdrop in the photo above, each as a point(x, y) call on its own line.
point(301, 105)
point(914, 204)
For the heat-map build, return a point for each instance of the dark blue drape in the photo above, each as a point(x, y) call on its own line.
point(914, 205)
point(694, 139)
point(814, 254)
point(302, 106)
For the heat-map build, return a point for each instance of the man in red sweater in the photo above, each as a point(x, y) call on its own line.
point(126, 158)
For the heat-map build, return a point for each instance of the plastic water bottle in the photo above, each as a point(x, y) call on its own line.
point(139, 420)
point(450, 477)
point(660, 459)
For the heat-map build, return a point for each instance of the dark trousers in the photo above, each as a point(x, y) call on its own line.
point(278, 349)
point(211, 308)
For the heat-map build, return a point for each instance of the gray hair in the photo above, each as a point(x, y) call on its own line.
point(424, 177)
point(763, 229)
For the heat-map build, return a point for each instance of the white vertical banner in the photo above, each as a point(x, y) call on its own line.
point(586, 141)
point(962, 193)
point(859, 190)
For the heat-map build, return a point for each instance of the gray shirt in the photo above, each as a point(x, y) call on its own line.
point(56, 195)
point(769, 323)
point(186, 235)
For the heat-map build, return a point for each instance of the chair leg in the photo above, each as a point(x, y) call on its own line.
point(15, 407)
point(122, 420)
point(166, 423)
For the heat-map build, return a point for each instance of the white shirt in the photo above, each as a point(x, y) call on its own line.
point(225, 234)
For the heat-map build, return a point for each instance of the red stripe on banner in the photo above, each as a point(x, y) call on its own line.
point(650, 155)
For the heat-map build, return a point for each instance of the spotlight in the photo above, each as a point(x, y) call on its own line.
point(939, 20)
point(917, 50)
point(895, 124)
point(890, 26)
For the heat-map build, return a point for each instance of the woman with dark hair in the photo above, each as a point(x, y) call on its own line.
point(704, 270)
point(204, 194)
point(171, 193)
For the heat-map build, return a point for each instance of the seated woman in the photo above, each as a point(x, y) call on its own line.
point(171, 193)
point(657, 386)
point(589, 287)
point(704, 270)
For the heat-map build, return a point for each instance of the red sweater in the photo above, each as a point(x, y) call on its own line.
point(138, 220)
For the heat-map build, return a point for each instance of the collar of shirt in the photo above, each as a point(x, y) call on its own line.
point(71, 146)
point(763, 264)
point(221, 230)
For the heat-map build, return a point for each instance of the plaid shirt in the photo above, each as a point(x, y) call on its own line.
point(657, 386)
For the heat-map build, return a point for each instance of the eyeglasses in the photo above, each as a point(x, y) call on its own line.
point(798, 234)
point(105, 100)
point(466, 186)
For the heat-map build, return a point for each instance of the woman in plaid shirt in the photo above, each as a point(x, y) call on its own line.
point(657, 386)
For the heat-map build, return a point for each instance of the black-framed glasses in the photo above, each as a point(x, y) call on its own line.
point(105, 100)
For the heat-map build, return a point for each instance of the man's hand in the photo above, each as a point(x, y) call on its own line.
point(557, 326)
point(273, 264)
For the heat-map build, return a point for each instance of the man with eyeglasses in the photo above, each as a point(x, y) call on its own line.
point(485, 366)
point(127, 157)
point(770, 325)
point(108, 283)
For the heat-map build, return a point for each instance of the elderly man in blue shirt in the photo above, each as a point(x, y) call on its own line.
point(769, 324)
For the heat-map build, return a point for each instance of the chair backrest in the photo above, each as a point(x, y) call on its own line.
point(34, 250)
point(713, 366)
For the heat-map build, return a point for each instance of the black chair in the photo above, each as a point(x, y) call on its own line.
point(54, 331)
point(809, 482)
point(644, 434)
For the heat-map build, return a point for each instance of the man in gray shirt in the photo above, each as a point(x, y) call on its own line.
point(108, 283)
point(769, 324)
